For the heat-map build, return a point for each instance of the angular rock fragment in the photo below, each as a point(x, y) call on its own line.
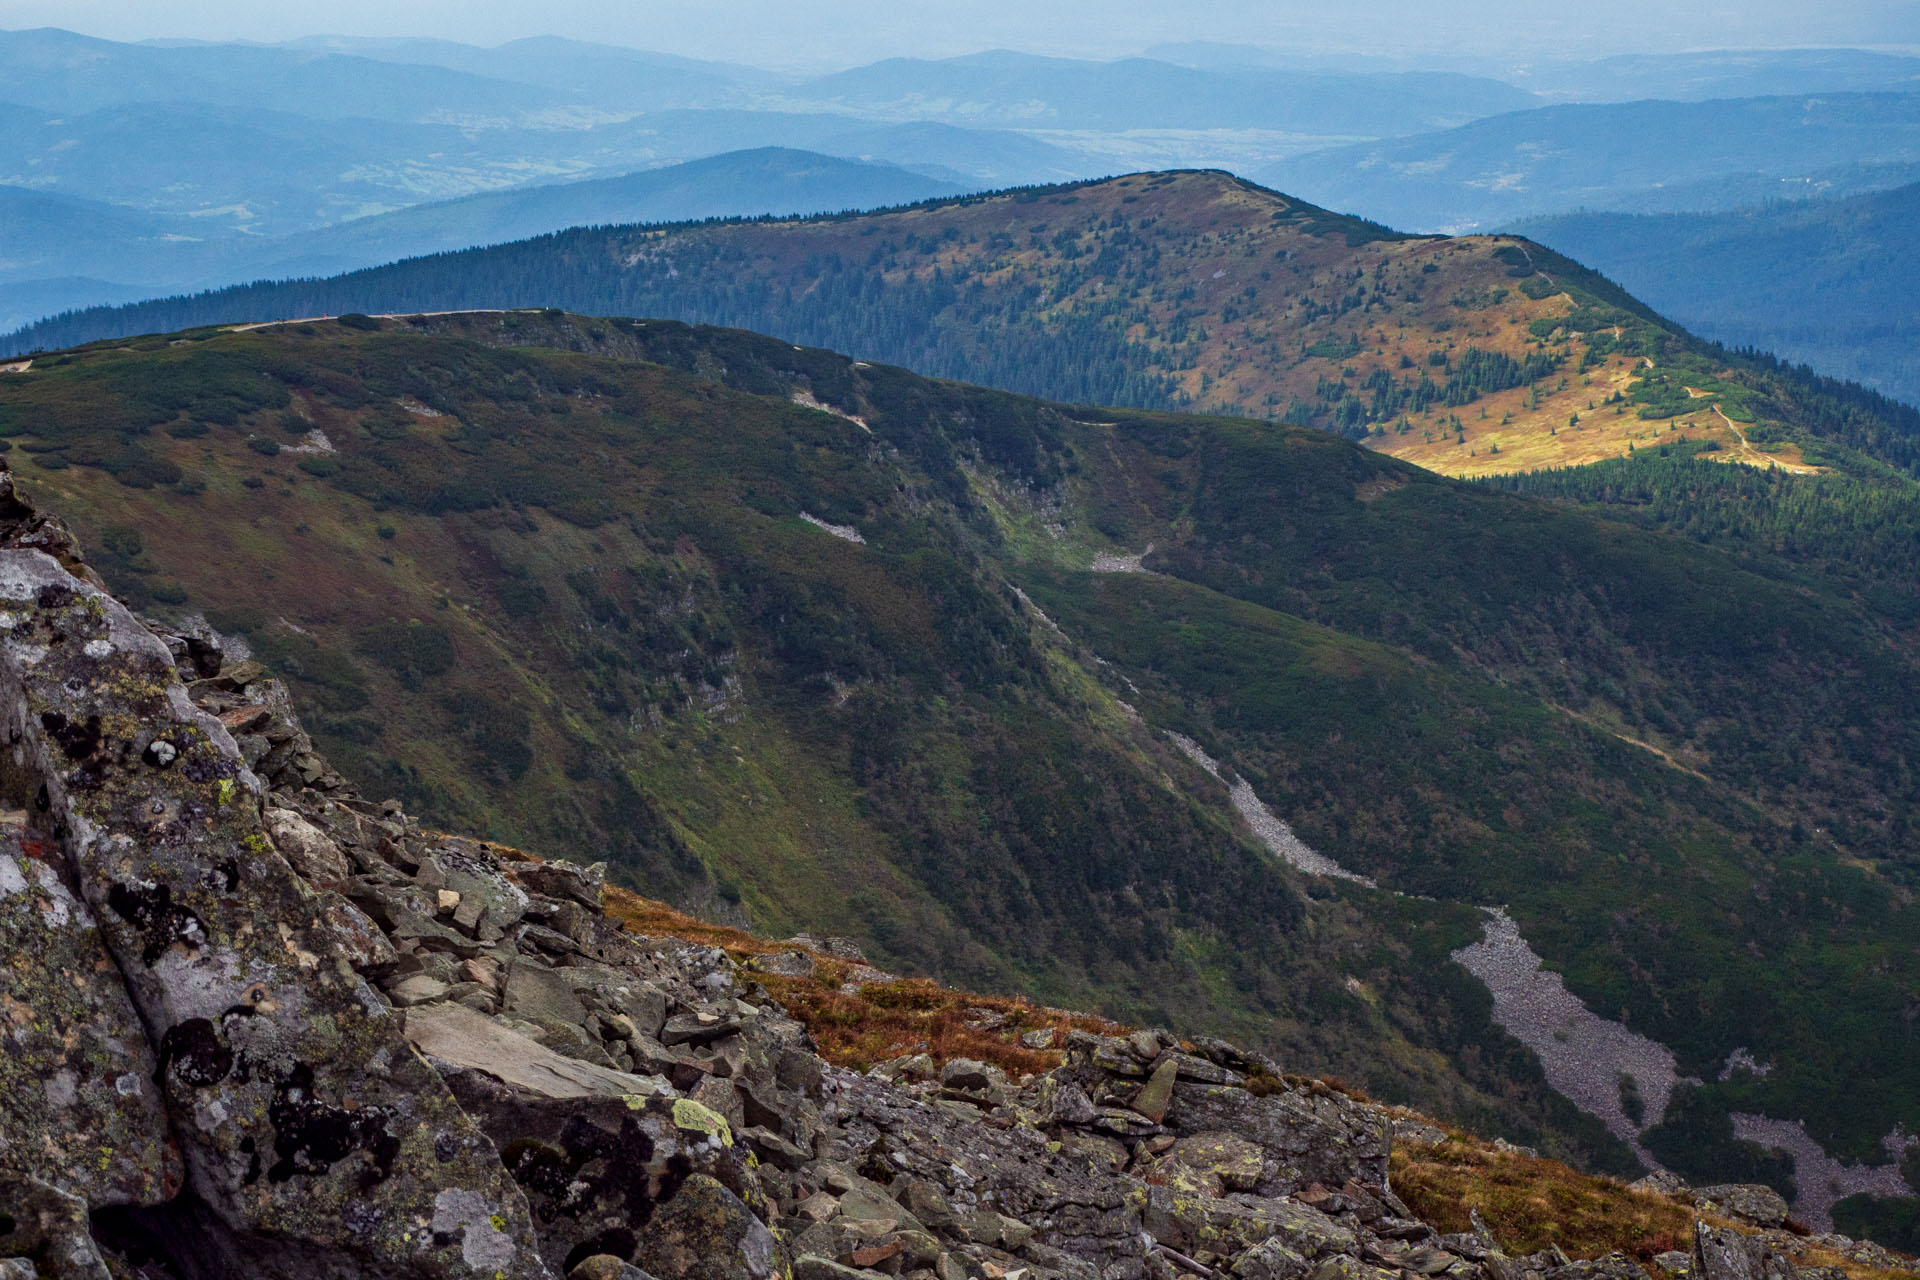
point(706, 1233)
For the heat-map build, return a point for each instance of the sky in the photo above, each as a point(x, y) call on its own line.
point(818, 34)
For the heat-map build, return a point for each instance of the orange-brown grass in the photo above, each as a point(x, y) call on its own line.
point(880, 1020)
point(1530, 1203)
point(658, 920)
point(1542, 436)
point(887, 1019)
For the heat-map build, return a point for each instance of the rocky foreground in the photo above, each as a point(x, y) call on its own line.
point(252, 1024)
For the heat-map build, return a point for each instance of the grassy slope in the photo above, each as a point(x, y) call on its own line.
point(753, 716)
point(1181, 289)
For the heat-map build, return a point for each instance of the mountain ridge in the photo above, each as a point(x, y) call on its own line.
point(532, 522)
point(1472, 356)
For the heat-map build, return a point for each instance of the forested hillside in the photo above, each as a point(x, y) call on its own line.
point(1470, 356)
point(625, 589)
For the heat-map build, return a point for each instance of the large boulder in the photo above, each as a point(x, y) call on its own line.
point(1191, 1223)
point(1305, 1135)
point(598, 1153)
point(1723, 1254)
point(1750, 1202)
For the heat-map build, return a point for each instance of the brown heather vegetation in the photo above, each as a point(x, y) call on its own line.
point(856, 1028)
point(1531, 1204)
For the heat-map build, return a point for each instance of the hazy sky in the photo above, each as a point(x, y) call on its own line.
point(843, 32)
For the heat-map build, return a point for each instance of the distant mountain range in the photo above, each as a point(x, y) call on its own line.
point(1025, 92)
point(1829, 283)
point(768, 180)
point(237, 148)
point(61, 252)
point(1643, 157)
point(1675, 77)
point(137, 171)
point(1721, 73)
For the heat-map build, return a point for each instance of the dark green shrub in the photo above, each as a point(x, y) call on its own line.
point(412, 650)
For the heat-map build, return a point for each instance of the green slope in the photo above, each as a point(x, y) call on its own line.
point(554, 583)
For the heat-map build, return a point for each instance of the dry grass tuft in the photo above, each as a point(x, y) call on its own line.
point(857, 1028)
point(884, 1020)
point(1530, 1203)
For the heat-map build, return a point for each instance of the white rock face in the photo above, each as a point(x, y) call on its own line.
point(1583, 1054)
point(1106, 562)
point(845, 532)
point(1266, 824)
point(807, 400)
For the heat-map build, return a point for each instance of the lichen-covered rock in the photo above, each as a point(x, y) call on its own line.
point(604, 1266)
point(1729, 1255)
point(785, 964)
point(1211, 1164)
point(1612, 1266)
point(1750, 1202)
point(301, 1111)
point(48, 1229)
point(706, 1233)
point(1156, 1095)
point(79, 1109)
point(599, 1168)
point(1306, 1136)
point(1271, 1260)
point(1231, 1226)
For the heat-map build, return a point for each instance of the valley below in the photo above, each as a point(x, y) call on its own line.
point(756, 622)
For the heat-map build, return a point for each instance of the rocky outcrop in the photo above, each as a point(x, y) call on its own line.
point(259, 1025)
point(299, 1109)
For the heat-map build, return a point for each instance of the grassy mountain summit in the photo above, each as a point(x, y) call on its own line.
point(803, 640)
point(1471, 356)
